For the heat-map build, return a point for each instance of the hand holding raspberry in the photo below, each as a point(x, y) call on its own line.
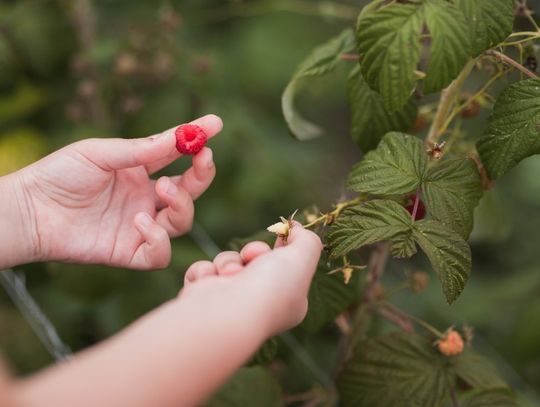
point(190, 139)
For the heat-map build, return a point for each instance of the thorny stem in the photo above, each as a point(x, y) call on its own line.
point(515, 64)
point(415, 208)
point(460, 108)
point(448, 99)
point(339, 207)
point(412, 318)
point(453, 395)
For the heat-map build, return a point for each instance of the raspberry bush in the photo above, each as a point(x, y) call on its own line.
point(417, 186)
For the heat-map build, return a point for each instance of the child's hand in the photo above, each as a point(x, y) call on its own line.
point(94, 201)
point(281, 277)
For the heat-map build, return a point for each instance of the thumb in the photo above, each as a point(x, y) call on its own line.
point(117, 153)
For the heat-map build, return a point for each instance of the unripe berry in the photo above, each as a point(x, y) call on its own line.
point(452, 343)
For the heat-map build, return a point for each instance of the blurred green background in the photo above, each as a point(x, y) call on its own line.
point(108, 68)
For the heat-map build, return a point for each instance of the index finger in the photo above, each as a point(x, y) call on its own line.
point(210, 124)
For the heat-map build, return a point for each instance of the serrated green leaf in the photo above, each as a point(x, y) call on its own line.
point(449, 44)
point(449, 254)
point(491, 22)
point(492, 398)
point(250, 386)
point(451, 190)
point(321, 61)
point(477, 371)
point(371, 222)
point(369, 118)
point(400, 369)
point(328, 297)
point(396, 167)
point(389, 45)
point(513, 133)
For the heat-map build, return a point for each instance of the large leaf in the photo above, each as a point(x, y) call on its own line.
point(389, 45)
point(321, 61)
point(369, 118)
point(328, 297)
point(372, 222)
point(491, 22)
point(449, 45)
point(451, 190)
point(449, 254)
point(250, 386)
point(492, 398)
point(477, 371)
point(513, 132)
point(396, 167)
point(400, 369)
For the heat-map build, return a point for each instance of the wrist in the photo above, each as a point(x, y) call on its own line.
point(19, 242)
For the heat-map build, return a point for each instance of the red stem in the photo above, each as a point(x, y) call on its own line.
point(415, 208)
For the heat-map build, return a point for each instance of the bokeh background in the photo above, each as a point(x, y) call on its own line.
point(122, 68)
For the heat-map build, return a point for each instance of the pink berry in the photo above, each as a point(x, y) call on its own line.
point(451, 344)
point(190, 139)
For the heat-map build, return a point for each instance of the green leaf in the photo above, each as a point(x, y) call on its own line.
point(491, 22)
point(451, 190)
point(370, 119)
point(389, 45)
point(477, 371)
point(513, 133)
point(449, 254)
point(400, 369)
point(396, 167)
point(250, 386)
point(321, 61)
point(449, 45)
point(371, 222)
point(492, 398)
point(328, 297)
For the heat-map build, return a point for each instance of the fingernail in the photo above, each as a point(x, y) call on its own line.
point(210, 163)
point(172, 189)
point(144, 219)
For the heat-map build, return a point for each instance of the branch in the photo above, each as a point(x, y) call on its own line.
point(448, 99)
point(505, 58)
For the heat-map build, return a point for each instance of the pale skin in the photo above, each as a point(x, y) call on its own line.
point(95, 202)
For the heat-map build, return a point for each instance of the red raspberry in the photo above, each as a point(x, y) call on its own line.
point(190, 139)
point(420, 211)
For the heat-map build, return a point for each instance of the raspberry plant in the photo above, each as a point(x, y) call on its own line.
point(401, 52)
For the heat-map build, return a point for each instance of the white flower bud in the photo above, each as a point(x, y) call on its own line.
point(280, 228)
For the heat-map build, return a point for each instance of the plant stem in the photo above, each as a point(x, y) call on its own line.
point(349, 57)
point(339, 207)
point(505, 58)
point(453, 395)
point(448, 98)
point(415, 208)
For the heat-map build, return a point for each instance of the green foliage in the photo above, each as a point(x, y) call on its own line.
point(388, 41)
point(449, 254)
point(384, 220)
point(399, 166)
point(398, 369)
point(370, 119)
point(405, 369)
point(512, 133)
point(250, 386)
point(396, 167)
point(328, 297)
point(449, 45)
point(491, 21)
point(491, 398)
point(321, 61)
point(266, 353)
point(374, 221)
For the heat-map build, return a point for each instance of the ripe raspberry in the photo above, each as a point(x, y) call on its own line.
point(420, 211)
point(190, 139)
point(452, 343)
